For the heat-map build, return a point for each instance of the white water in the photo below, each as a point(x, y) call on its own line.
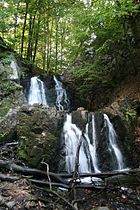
point(113, 144)
point(61, 95)
point(37, 92)
point(72, 135)
point(94, 138)
point(88, 151)
point(14, 67)
point(92, 147)
point(87, 156)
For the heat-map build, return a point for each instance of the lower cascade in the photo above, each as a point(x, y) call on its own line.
point(113, 147)
point(99, 150)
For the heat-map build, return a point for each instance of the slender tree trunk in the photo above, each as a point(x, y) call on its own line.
point(50, 44)
point(23, 30)
point(36, 39)
point(15, 25)
point(61, 47)
point(44, 45)
point(30, 37)
point(56, 46)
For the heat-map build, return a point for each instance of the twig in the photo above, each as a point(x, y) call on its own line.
point(47, 167)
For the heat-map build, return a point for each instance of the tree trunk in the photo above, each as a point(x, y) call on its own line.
point(15, 25)
point(44, 45)
point(56, 46)
point(50, 46)
point(36, 39)
point(24, 27)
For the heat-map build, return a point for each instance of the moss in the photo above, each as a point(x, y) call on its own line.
point(2, 136)
point(4, 107)
point(38, 136)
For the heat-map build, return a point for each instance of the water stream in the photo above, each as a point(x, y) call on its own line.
point(49, 95)
point(62, 101)
point(37, 92)
point(88, 156)
point(113, 147)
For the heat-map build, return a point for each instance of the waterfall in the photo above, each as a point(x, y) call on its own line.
point(72, 135)
point(37, 92)
point(94, 137)
point(14, 67)
point(89, 159)
point(87, 155)
point(91, 147)
point(62, 101)
point(113, 147)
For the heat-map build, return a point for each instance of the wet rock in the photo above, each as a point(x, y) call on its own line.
point(101, 208)
point(80, 117)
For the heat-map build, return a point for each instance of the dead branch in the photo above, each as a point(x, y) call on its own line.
point(47, 171)
point(8, 178)
point(47, 184)
point(29, 171)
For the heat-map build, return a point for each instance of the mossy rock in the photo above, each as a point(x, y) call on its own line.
point(38, 132)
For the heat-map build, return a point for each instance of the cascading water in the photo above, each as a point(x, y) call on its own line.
point(72, 135)
point(88, 161)
point(37, 92)
point(99, 150)
point(62, 101)
point(94, 156)
point(87, 155)
point(113, 147)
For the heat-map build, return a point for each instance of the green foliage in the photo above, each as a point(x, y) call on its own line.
point(52, 34)
point(130, 114)
point(6, 60)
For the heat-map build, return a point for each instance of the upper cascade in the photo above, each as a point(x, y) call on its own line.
point(37, 92)
point(49, 92)
point(99, 150)
point(62, 101)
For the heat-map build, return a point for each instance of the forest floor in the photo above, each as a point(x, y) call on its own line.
point(18, 193)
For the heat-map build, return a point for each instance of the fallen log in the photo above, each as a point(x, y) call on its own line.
point(29, 171)
point(8, 178)
point(133, 175)
point(66, 186)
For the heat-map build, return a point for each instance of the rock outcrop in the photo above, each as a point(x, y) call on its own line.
point(38, 132)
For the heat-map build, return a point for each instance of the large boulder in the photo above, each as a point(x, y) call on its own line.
point(38, 131)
